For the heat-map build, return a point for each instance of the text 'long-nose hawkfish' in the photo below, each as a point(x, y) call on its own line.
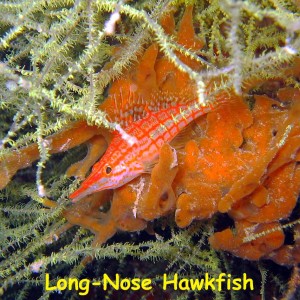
point(125, 160)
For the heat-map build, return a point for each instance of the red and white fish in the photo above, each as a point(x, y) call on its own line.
point(134, 150)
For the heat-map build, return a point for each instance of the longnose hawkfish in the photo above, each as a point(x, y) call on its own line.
point(128, 157)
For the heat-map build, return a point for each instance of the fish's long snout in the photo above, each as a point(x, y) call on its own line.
point(83, 191)
point(86, 189)
point(80, 193)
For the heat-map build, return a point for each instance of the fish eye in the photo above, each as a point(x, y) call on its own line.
point(108, 169)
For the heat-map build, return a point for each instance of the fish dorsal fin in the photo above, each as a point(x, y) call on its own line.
point(137, 105)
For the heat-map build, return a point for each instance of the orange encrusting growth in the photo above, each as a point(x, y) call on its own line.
point(233, 144)
point(254, 250)
point(78, 133)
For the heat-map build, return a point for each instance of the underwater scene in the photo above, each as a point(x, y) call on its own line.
point(150, 149)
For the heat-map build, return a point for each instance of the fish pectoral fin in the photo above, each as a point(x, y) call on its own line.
point(148, 166)
point(179, 141)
